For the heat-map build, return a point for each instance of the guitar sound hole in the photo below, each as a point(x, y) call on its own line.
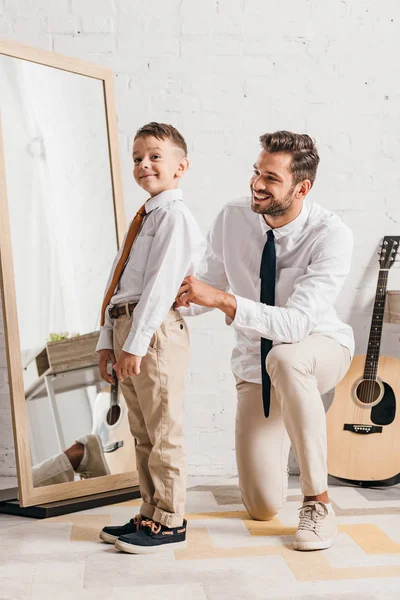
point(113, 414)
point(368, 391)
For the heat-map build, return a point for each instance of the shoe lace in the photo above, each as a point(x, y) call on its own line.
point(152, 526)
point(137, 520)
point(311, 516)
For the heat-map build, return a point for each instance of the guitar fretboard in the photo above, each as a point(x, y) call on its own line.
point(375, 335)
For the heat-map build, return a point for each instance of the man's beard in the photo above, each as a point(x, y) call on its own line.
point(275, 208)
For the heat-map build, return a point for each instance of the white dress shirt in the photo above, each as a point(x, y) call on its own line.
point(168, 248)
point(313, 256)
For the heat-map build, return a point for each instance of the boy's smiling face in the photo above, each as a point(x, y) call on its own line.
point(158, 165)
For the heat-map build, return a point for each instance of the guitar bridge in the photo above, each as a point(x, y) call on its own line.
point(362, 429)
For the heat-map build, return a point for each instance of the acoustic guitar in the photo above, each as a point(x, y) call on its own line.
point(110, 423)
point(363, 423)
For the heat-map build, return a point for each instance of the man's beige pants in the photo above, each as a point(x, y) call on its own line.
point(299, 374)
point(56, 469)
point(155, 410)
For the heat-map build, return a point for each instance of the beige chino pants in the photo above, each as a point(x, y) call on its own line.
point(56, 469)
point(155, 410)
point(299, 374)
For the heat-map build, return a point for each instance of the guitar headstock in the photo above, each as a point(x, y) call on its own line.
point(388, 252)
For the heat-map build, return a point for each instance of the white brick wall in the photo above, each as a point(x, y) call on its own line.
point(224, 72)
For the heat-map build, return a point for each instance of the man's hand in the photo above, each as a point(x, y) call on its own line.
point(127, 365)
point(106, 356)
point(195, 291)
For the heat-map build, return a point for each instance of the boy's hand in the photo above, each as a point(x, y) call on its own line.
point(106, 356)
point(127, 365)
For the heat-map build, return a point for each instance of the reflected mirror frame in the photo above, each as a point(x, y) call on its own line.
point(28, 495)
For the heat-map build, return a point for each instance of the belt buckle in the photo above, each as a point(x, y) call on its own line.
point(111, 312)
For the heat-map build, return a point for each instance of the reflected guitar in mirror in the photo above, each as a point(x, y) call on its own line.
point(59, 188)
point(111, 425)
point(363, 422)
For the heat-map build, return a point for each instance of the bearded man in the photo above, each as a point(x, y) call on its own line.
point(275, 265)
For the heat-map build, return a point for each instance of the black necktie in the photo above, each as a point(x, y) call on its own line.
point(267, 296)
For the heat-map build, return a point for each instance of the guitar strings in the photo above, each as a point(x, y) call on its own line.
point(371, 364)
point(387, 257)
point(375, 338)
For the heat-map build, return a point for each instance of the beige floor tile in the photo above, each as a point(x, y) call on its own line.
point(50, 577)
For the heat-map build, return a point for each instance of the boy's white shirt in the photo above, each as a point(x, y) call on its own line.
point(168, 248)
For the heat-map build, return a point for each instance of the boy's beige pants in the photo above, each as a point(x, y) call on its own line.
point(155, 408)
point(299, 374)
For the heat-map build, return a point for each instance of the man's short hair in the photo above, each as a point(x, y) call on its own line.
point(302, 149)
point(163, 132)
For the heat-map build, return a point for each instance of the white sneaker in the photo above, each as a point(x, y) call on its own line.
point(317, 528)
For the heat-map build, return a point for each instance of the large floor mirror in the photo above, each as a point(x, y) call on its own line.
point(61, 222)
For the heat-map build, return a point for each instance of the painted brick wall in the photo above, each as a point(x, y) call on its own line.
point(224, 72)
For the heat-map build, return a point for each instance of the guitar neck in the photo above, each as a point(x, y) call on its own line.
point(375, 335)
point(114, 390)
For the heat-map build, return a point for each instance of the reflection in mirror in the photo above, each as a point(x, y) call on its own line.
point(63, 238)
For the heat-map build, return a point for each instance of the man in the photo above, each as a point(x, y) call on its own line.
point(284, 260)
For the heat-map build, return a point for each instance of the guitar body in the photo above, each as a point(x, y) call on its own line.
point(111, 424)
point(363, 425)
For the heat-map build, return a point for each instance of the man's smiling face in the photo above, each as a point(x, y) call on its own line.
point(272, 187)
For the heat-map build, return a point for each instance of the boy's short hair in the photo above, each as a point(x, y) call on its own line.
point(162, 131)
point(302, 149)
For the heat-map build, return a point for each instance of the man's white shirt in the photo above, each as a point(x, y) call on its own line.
point(168, 248)
point(313, 259)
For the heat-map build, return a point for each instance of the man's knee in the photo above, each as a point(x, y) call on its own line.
point(262, 508)
point(262, 513)
point(283, 359)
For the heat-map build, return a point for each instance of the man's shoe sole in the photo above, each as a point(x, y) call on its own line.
point(309, 546)
point(132, 549)
point(107, 537)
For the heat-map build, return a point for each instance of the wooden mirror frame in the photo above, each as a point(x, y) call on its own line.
point(29, 495)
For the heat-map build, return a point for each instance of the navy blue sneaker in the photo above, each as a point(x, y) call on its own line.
point(111, 534)
point(153, 537)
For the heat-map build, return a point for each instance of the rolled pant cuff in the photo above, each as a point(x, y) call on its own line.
point(147, 510)
point(167, 519)
point(315, 490)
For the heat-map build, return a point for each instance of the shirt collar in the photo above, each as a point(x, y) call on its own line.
point(291, 227)
point(162, 199)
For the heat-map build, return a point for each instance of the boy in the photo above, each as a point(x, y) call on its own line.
point(150, 340)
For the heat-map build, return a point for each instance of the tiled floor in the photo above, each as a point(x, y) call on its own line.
point(228, 555)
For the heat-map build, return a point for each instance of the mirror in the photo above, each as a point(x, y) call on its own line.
point(60, 183)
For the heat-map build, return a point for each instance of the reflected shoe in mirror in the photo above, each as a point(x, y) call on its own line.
point(112, 533)
point(153, 537)
point(317, 527)
point(93, 463)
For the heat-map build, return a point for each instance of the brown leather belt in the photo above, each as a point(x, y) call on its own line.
point(123, 309)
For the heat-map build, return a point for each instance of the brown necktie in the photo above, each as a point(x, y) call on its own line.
point(130, 238)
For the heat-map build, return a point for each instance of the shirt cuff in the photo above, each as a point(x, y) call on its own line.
point(137, 344)
point(248, 315)
point(105, 340)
